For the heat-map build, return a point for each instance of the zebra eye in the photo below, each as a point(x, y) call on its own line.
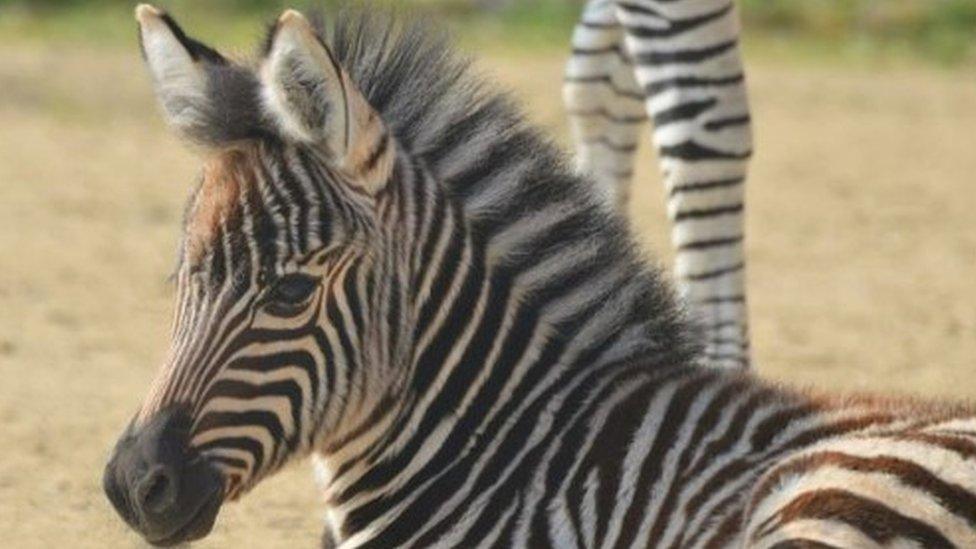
point(293, 289)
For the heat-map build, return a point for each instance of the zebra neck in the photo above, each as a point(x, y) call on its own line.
point(507, 320)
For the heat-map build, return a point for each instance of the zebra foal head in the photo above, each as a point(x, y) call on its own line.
point(288, 252)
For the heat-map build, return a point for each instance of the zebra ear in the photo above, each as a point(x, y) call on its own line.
point(313, 101)
point(177, 64)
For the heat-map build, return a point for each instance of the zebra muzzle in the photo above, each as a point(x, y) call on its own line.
point(163, 490)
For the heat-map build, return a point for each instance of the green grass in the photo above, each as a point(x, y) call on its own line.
point(111, 24)
point(239, 24)
point(939, 32)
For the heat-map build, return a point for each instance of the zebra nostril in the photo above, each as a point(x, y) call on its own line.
point(156, 492)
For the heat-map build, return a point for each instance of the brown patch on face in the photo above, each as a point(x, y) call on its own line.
point(226, 175)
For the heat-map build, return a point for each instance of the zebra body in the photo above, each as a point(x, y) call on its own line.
point(677, 63)
point(385, 268)
point(687, 458)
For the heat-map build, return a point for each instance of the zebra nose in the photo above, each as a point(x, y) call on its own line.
point(143, 477)
point(159, 486)
point(156, 491)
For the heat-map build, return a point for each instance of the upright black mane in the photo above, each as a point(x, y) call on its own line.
point(435, 104)
point(411, 73)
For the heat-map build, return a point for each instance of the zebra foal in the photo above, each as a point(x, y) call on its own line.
point(383, 266)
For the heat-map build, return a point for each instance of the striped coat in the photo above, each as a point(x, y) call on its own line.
point(384, 267)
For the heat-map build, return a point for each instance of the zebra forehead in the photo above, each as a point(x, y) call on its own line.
point(228, 175)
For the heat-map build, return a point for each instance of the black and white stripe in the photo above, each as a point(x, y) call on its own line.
point(470, 346)
point(677, 63)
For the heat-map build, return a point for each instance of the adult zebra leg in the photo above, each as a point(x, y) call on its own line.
point(686, 60)
point(604, 102)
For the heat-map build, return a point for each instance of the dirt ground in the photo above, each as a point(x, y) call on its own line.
point(862, 260)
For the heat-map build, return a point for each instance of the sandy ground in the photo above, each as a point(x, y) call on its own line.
point(862, 261)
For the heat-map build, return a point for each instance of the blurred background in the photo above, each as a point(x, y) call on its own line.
point(861, 250)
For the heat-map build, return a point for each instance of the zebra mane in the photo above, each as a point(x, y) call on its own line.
point(411, 73)
point(498, 166)
point(473, 135)
point(429, 96)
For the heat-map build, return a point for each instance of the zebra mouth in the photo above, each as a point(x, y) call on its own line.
point(197, 526)
point(164, 491)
